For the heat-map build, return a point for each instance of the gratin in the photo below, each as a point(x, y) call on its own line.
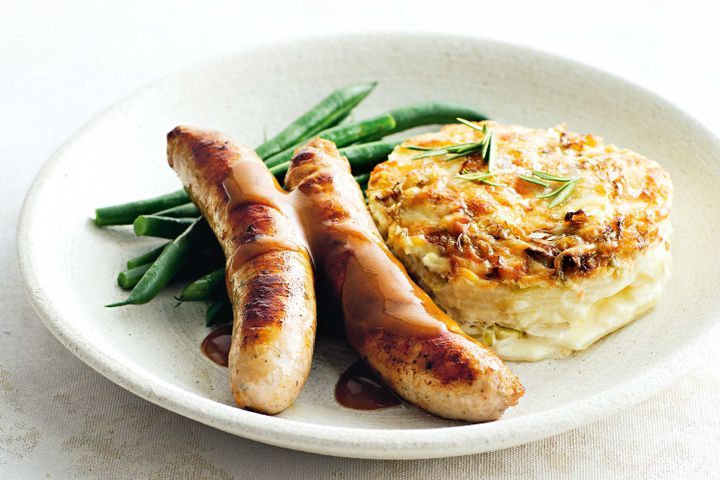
point(532, 279)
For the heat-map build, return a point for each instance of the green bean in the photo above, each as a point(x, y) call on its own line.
point(325, 114)
point(342, 136)
point(365, 156)
point(129, 278)
point(126, 213)
point(361, 157)
point(168, 264)
point(201, 262)
point(219, 312)
point(146, 258)
point(207, 287)
point(344, 120)
point(407, 117)
point(163, 227)
point(188, 210)
point(363, 179)
point(431, 113)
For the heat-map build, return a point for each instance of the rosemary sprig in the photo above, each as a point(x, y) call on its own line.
point(557, 195)
point(481, 177)
point(485, 147)
point(488, 152)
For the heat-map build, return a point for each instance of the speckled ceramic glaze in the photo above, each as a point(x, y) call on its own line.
point(69, 265)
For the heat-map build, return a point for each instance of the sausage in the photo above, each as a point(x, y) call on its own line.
point(268, 271)
point(420, 352)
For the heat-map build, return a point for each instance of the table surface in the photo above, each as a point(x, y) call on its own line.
point(63, 62)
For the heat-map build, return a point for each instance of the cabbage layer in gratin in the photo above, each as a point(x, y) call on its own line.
point(531, 276)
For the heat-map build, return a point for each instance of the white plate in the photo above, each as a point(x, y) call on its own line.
point(69, 266)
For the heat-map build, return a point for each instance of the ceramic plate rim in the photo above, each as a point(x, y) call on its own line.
point(340, 441)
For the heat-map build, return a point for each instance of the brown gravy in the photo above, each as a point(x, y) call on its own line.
point(373, 288)
point(216, 345)
point(376, 291)
point(260, 245)
point(361, 389)
point(250, 181)
point(377, 294)
point(358, 388)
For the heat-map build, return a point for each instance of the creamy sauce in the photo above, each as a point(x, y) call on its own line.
point(361, 389)
point(216, 345)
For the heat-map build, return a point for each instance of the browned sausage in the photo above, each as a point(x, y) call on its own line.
point(394, 326)
point(268, 273)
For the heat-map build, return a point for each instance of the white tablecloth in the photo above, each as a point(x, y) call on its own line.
point(62, 62)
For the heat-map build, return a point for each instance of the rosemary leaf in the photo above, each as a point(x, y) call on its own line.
point(431, 153)
point(489, 152)
point(416, 147)
point(488, 182)
point(563, 192)
point(475, 175)
point(549, 176)
point(465, 147)
point(482, 129)
point(554, 192)
point(534, 180)
point(461, 155)
point(480, 177)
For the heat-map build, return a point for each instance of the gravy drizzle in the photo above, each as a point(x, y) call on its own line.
point(377, 294)
point(373, 287)
point(216, 345)
point(376, 291)
point(250, 182)
point(360, 388)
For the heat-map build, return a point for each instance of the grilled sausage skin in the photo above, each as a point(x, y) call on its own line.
point(419, 351)
point(268, 273)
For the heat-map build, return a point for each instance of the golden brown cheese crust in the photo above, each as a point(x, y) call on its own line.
point(505, 235)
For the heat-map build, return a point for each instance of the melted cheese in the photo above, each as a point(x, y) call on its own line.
point(577, 325)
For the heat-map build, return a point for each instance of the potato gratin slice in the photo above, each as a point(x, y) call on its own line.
point(532, 277)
